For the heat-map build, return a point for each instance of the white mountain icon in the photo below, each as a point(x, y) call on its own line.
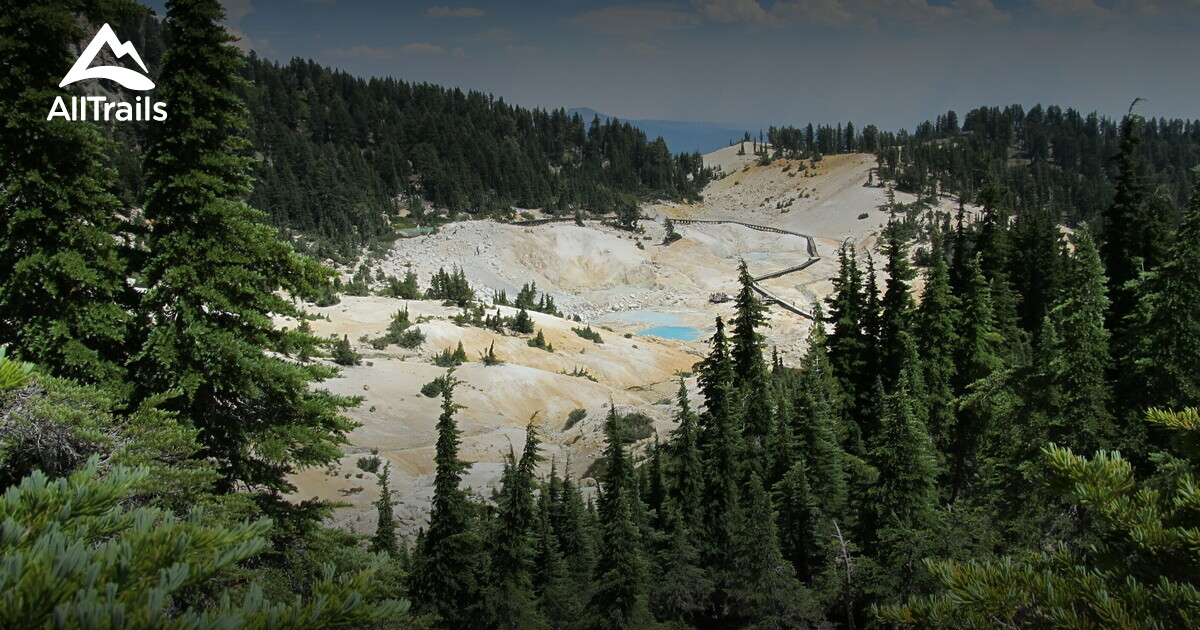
point(126, 77)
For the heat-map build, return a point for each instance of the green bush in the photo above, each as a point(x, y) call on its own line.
point(74, 557)
point(343, 354)
point(589, 334)
point(575, 417)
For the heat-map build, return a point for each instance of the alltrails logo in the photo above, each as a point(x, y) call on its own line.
point(99, 107)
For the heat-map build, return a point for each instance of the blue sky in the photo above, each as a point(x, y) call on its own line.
point(892, 62)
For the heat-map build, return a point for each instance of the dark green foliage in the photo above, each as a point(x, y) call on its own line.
point(522, 323)
point(575, 417)
point(64, 301)
point(437, 387)
point(937, 334)
point(619, 600)
point(401, 332)
point(539, 341)
point(82, 557)
point(628, 213)
point(406, 289)
point(450, 287)
point(489, 358)
point(1143, 574)
point(444, 580)
point(1166, 329)
point(384, 540)
point(671, 235)
point(1075, 358)
point(449, 358)
point(213, 275)
point(343, 354)
point(589, 334)
point(509, 596)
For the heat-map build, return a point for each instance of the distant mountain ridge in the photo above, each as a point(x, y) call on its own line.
point(680, 136)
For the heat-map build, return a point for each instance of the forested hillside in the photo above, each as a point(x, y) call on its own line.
point(337, 157)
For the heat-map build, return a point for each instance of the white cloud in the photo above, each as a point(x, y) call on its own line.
point(461, 12)
point(368, 52)
point(424, 48)
point(1073, 9)
point(636, 19)
point(733, 10)
point(873, 12)
point(523, 51)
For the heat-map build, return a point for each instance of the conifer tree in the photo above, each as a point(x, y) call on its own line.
point(816, 431)
point(619, 600)
point(680, 587)
point(1169, 335)
point(684, 447)
point(557, 598)
point(385, 540)
point(848, 344)
point(444, 580)
point(763, 591)
point(976, 357)
point(64, 300)
point(720, 445)
point(937, 338)
point(510, 595)
point(747, 343)
point(1075, 356)
point(213, 275)
point(896, 318)
point(1133, 236)
point(905, 496)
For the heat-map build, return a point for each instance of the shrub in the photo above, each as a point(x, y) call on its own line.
point(434, 388)
point(575, 417)
point(343, 354)
point(539, 341)
point(489, 358)
point(450, 358)
point(369, 463)
point(589, 334)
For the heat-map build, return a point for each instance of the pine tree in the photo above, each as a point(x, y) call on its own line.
point(1075, 354)
point(896, 318)
point(848, 343)
point(1169, 336)
point(905, 494)
point(444, 580)
point(680, 586)
point(687, 473)
point(385, 540)
point(64, 301)
point(976, 357)
point(751, 377)
point(1134, 238)
point(816, 431)
point(83, 559)
point(1142, 573)
point(747, 342)
point(213, 277)
point(619, 600)
point(764, 592)
point(510, 595)
point(937, 338)
point(720, 445)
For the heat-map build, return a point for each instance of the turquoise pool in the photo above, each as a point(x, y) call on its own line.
point(682, 333)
